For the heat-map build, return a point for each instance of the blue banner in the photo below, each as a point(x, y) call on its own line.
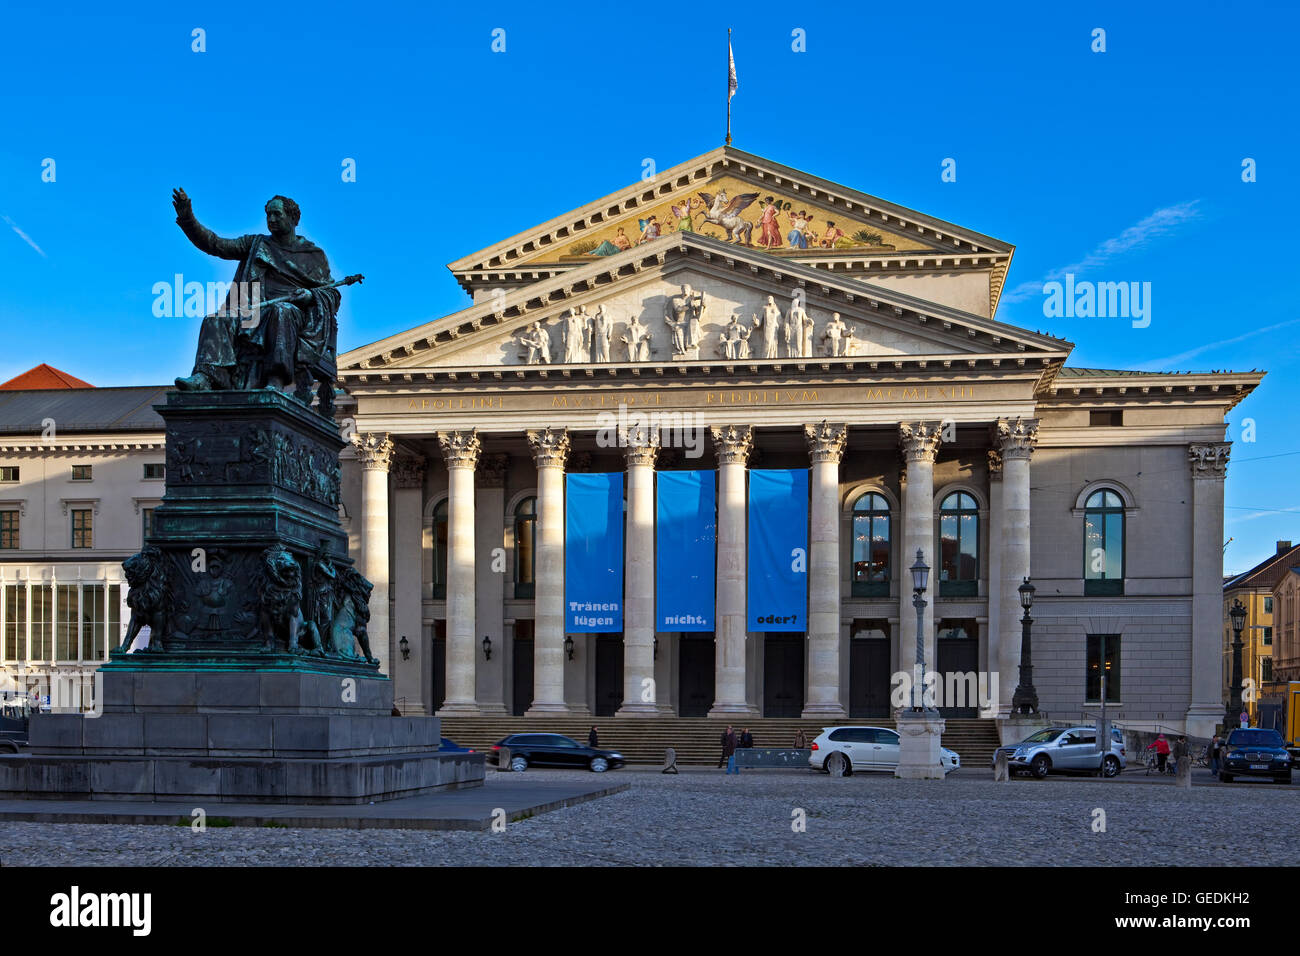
point(593, 553)
point(777, 571)
point(686, 529)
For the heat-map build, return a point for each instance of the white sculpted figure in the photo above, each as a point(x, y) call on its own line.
point(602, 326)
point(537, 340)
point(833, 339)
point(770, 322)
point(735, 340)
point(684, 314)
point(577, 324)
point(637, 338)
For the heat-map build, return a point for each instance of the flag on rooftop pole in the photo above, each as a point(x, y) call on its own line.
point(732, 84)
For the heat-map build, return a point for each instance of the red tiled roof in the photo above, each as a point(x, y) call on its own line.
point(45, 376)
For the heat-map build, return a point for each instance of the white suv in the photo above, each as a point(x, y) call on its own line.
point(842, 750)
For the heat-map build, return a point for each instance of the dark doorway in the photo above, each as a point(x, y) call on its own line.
point(957, 653)
point(695, 663)
point(869, 669)
point(522, 668)
point(439, 665)
point(783, 675)
point(609, 674)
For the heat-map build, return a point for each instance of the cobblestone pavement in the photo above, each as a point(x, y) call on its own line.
point(709, 818)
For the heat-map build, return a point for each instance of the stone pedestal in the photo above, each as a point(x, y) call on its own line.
point(1015, 728)
point(919, 747)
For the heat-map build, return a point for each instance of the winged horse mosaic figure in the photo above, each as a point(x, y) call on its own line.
point(725, 212)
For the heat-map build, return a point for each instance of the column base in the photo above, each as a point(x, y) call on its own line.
point(1013, 728)
point(458, 708)
point(494, 708)
point(824, 711)
point(726, 710)
point(1203, 719)
point(638, 709)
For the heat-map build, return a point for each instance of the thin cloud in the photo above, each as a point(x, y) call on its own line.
point(22, 235)
point(1159, 223)
point(1271, 513)
point(1161, 364)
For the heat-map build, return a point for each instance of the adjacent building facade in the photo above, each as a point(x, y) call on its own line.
point(1254, 589)
point(734, 314)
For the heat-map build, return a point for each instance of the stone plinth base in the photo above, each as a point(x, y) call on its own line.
point(919, 747)
point(1016, 727)
point(271, 737)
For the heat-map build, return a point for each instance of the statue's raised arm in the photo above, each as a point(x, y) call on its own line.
point(203, 238)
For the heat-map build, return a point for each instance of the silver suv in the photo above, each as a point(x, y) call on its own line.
point(1065, 750)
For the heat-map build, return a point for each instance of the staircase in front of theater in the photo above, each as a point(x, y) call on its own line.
point(643, 740)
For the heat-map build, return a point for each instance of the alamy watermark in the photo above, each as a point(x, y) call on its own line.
point(1102, 300)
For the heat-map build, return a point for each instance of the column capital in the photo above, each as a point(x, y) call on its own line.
point(408, 471)
point(640, 445)
point(492, 470)
point(375, 450)
point(732, 443)
point(460, 449)
point(1209, 459)
point(1015, 439)
point(550, 446)
point(826, 442)
point(995, 465)
point(920, 441)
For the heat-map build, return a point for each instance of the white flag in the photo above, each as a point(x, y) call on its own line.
point(731, 73)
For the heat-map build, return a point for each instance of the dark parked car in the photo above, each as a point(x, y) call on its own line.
point(553, 750)
point(1255, 753)
point(451, 747)
point(15, 719)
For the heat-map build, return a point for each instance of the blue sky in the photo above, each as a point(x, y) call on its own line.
point(1125, 165)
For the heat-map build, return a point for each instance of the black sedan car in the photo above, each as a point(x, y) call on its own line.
point(553, 750)
point(1255, 753)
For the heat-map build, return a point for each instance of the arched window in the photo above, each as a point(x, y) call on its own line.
point(959, 545)
point(1103, 543)
point(440, 550)
point(525, 547)
point(871, 543)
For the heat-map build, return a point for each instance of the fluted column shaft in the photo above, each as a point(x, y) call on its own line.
point(375, 452)
point(460, 450)
point(733, 445)
point(640, 446)
point(825, 450)
point(920, 445)
point(1015, 442)
point(550, 449)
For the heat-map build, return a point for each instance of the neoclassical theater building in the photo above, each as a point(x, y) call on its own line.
point(730, 327)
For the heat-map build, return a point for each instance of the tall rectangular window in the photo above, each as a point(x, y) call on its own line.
point(81, 473)
point(42, 619)
point(82, 532)
point(15, 626)
point(146, 524)
point(154, 471)
point(9, 531)
point(92, 622)
point(66, 621)
point(1103, 653)
point(1268, 637)
point(1266, 669)
point(114, 615)
point(1268, 605)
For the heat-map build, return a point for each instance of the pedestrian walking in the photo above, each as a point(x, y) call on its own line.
point(1216, 745)
point(728, 745)
point(800, 740)
point(593, 740)
point(746, 738)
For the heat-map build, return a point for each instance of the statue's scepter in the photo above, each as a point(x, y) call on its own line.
point(251, 308)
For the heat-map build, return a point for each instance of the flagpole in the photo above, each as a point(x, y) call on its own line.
point(728, 86)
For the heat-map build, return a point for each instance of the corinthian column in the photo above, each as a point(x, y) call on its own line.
point(825, 450)
point(640, 446)
point(375, 452)
point(1014, 442)
point(460, 450)
point(412, 684)
point(733, 444)
point(919, 442)
point(1209, 464)
point(550, 449)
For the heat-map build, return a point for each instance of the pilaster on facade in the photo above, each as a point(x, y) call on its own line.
point(408, 472)
point(1209, 459)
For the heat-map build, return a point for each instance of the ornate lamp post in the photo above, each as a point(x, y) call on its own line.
point(1025, 699)
point(1232, 716)
point(920, 579)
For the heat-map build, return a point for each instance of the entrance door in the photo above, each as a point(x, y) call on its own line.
point(609, 674)
point(957, 650)
point(869, 672)
point(695, 663)
point(439, 665)
point(783, 675)
point(522, 668)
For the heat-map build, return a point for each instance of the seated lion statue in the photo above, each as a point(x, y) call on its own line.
point(147, 597)
point(280, 598)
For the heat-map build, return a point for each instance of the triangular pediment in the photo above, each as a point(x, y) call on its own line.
point(633, 291)
point(746, 200)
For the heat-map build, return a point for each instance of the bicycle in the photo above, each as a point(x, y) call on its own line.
point(1152, 762)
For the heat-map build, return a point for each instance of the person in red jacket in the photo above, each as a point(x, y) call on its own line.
point(1162, 751)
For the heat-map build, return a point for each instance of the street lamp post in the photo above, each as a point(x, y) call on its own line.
point(920, 578)
point(1232, 716)
point(1025, 699)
